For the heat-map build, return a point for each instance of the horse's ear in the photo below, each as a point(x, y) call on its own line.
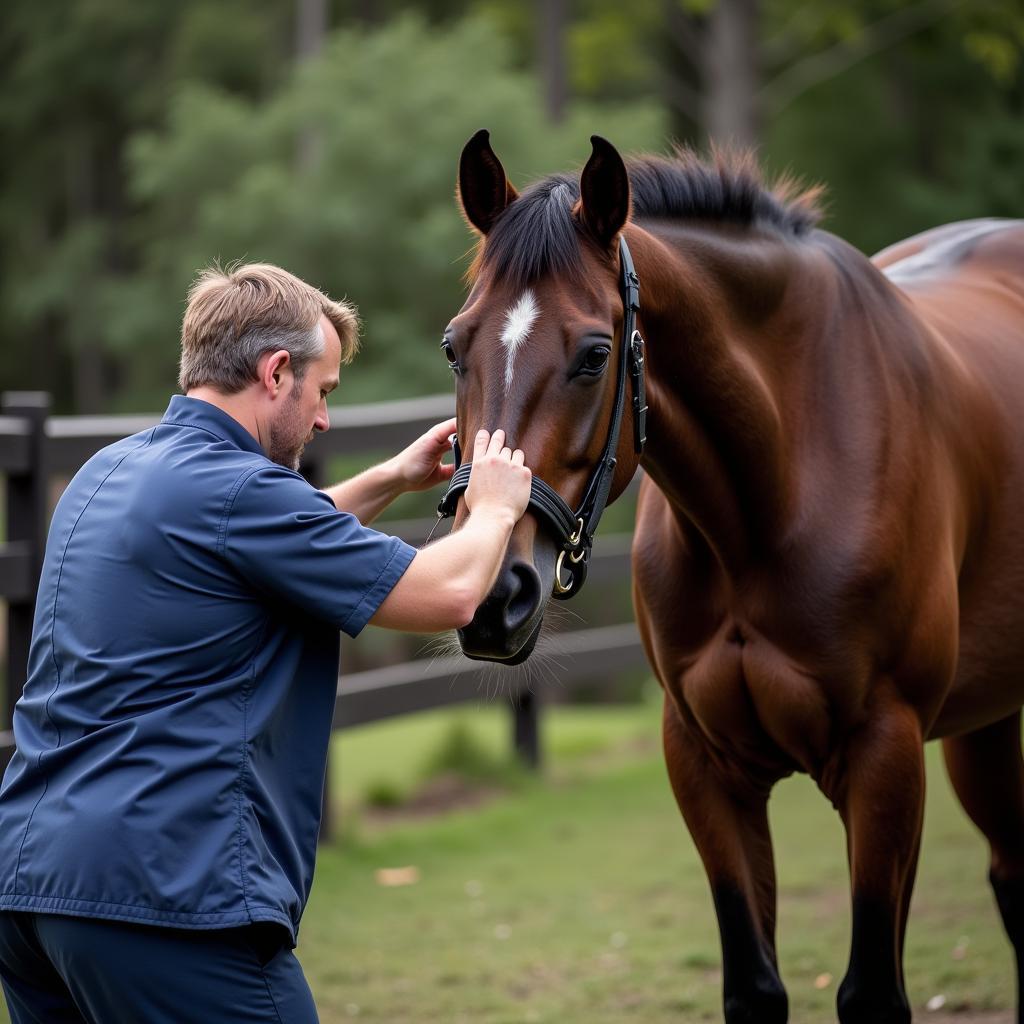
point(604, 192)
point(483, 191)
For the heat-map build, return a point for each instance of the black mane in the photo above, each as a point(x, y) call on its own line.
point(538, 235)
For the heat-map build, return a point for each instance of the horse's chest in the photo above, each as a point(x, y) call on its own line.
point(748, 698)
point(746, 694)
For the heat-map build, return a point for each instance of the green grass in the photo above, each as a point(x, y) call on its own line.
point(398, 753)
point(581, 899)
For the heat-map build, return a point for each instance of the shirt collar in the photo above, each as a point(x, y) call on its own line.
point(194, 412)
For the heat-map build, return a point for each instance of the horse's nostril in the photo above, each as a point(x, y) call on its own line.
point(524, 596)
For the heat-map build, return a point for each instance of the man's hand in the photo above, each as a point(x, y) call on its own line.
point(419, 467)
point(499, 481)
point(447, 580)
point(415, 468)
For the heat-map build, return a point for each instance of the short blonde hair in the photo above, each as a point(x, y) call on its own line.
point(236, 315)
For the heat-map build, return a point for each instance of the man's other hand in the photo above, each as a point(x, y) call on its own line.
point(419, 467)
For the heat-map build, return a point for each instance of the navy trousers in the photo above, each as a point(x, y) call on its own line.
point(77, 970)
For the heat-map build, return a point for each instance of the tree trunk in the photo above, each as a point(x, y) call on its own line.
point(680, 43)
point(551, 24)
point(310, 30)
point(83, 207)
point(730, 73)
point(310, 27)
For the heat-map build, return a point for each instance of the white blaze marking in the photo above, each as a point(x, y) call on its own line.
point(518, 321)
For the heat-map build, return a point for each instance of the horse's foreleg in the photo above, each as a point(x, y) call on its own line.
point(881, 798)
point(987, 772)
point(730, 829)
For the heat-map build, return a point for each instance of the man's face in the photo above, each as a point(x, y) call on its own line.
point(303, 410)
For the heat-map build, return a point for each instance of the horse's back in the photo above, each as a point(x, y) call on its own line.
point(965, 283)
point(991, 244)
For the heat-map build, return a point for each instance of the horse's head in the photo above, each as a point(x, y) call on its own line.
point(537, 351)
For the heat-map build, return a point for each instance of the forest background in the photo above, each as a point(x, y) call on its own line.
point(145, 140)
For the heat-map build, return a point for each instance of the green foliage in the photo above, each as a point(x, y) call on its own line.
point(383, 793)
point(994, 36)
point(921, 163)
point(144, 141)
point(371, 215)
point(608, 49)
point(77, 80)
point(462, 753)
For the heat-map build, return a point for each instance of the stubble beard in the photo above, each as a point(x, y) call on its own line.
point(288, 436)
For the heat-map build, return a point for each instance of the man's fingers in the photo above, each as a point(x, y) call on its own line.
point(494, 444)
point(442, 431)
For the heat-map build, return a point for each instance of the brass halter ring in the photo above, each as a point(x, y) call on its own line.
point(560, 587)
point(575, 556)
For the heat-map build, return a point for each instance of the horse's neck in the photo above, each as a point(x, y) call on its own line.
point(752, 390)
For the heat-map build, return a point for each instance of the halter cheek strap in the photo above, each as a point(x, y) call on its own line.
point(575, 529)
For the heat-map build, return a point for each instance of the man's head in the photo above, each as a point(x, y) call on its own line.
point(258, 335)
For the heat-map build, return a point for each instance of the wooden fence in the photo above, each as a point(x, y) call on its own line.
point(37, 448)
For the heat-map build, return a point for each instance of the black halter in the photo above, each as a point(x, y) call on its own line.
point(575, 530)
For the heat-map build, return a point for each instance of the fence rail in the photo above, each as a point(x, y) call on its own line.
point(35, 448)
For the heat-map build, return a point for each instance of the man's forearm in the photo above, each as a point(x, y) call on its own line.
point(447, 580)
point(369, 493)
point(471, 556)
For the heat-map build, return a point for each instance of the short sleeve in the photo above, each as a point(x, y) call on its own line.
point(289, 541)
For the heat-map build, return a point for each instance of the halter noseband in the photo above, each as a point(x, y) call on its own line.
point(575, 530)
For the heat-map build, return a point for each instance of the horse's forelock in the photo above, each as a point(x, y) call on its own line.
point(534, 236)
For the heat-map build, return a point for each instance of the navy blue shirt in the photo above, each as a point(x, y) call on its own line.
point(172, 736)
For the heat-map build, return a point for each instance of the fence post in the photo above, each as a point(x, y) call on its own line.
point(526, 728)
point(26, 522)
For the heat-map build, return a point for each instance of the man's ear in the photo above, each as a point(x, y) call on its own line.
point(272, 369)
point(604, 192)
point(483, 189)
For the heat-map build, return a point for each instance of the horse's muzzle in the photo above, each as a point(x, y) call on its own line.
point(507, 624)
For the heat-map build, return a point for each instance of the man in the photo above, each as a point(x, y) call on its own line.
point(158, 822)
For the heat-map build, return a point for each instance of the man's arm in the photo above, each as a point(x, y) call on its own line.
point(447, 581)
point(369, 493)
point(416, 468)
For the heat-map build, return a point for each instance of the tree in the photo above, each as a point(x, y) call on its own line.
point(77, 80)
point(905, 110)
point(551, 26)
point(373, 218)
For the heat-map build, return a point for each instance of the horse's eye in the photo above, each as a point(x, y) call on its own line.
point(449, 354)
point(595, 360)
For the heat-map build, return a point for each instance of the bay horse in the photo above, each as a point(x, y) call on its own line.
point(828, 563)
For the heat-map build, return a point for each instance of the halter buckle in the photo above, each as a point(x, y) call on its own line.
point(636, 370)
point(636, 347)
